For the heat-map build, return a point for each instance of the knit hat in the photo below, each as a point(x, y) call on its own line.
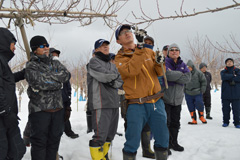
point(201, 65)
point(165, 48)
point(36, 41)
point(120, 28)
point(228, 60)
point(149, 38)
point(51, 50)
point(174, 45)
point(99, 42)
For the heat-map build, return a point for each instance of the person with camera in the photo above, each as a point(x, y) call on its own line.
point(194, 91)
point(139, 68)
point(230, 93)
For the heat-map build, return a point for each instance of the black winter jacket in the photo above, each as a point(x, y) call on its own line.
point(8, 100)
point(66, 94)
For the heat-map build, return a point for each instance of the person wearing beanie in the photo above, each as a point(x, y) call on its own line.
point(177, 75)
point(139, 68)
point(165, 50)
point(11, 145)
point(45, 77)
point(194, 91)
point(103, 80)
point(148, 42)
point(230, 93)
point(207, 94)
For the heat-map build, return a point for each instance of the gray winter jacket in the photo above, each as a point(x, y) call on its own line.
point(45, 78)
point(103, 81)
point(175, 92)
point(198, 83)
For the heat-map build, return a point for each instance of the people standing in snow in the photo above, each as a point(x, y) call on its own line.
point(11, 143)
point(230, 93)
point(103, 99)
point(139, 69)
point(207, 94)
point(45, 76)
point(194, 91)
point(177, 75)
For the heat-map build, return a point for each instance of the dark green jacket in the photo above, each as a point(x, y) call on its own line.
point(198, 82)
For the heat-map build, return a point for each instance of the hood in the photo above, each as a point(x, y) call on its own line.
point(191, 64)
point(6, 38)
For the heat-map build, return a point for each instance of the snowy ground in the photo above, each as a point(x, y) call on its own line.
point(201, 142)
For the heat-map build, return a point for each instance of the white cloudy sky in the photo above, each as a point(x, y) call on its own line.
point(76, 42)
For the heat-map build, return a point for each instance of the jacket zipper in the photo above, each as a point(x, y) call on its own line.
point(151, 81)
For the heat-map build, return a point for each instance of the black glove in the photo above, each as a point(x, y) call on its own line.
point(10, 120)
point(67, 113)
point(139, 34)
point(5, 111)
point(160, 59)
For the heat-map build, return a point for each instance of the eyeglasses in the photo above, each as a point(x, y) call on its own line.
point(172, 50)
point(124, 32)
point(43, 46)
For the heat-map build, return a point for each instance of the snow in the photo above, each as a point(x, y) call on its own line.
point(201, 142)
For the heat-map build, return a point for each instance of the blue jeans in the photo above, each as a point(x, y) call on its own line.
point(195, 102)
point(140, 114)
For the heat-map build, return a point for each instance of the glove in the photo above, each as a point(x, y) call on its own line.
point(4, 112)
point(160, 59)
point(10, 120)
point(139, 34)
point(67, 113)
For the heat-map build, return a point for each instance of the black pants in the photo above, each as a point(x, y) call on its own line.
point(173, 121)
point(46, 132)
point(11, 143)
point(207, 101)
point(227, 105)
point(67, 127)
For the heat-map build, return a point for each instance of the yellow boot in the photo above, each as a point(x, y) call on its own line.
point(96, 153)
point(106, 147)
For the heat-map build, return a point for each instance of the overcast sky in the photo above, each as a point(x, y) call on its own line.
point(76, 42)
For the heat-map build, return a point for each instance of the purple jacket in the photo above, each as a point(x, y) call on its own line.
point(177, 75)
point(179, 66)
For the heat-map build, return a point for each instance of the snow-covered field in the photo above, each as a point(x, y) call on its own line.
point(201, 142)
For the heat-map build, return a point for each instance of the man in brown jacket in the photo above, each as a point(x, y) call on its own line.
point(139, 68)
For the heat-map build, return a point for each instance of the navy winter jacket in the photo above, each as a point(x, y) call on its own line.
point(230, 83)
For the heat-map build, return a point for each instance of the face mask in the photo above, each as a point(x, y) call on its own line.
point(148, 46)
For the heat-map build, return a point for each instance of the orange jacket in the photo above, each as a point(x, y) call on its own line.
point(139, 72)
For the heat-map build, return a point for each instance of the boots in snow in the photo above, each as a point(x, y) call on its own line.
point(208, 116)
point(106, 147)
point(173, 140)
point(146, 149)
point(194, 118)
point(96, 151)
point(161, 153)
point(129, 156)
point(201, 117)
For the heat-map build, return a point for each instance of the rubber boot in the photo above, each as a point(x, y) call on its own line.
point(89, 121)
point(208, 116)
point(96, 151)
point(173, 143)
point(208, 109)
point(146, 149)
point(129, 156)
point(161, 153)
point(106, 147)
point(201, 117)
point(194, 117)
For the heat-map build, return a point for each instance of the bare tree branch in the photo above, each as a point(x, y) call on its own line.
point(183, 14)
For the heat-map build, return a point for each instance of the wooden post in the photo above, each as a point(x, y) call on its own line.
point(20, 24)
